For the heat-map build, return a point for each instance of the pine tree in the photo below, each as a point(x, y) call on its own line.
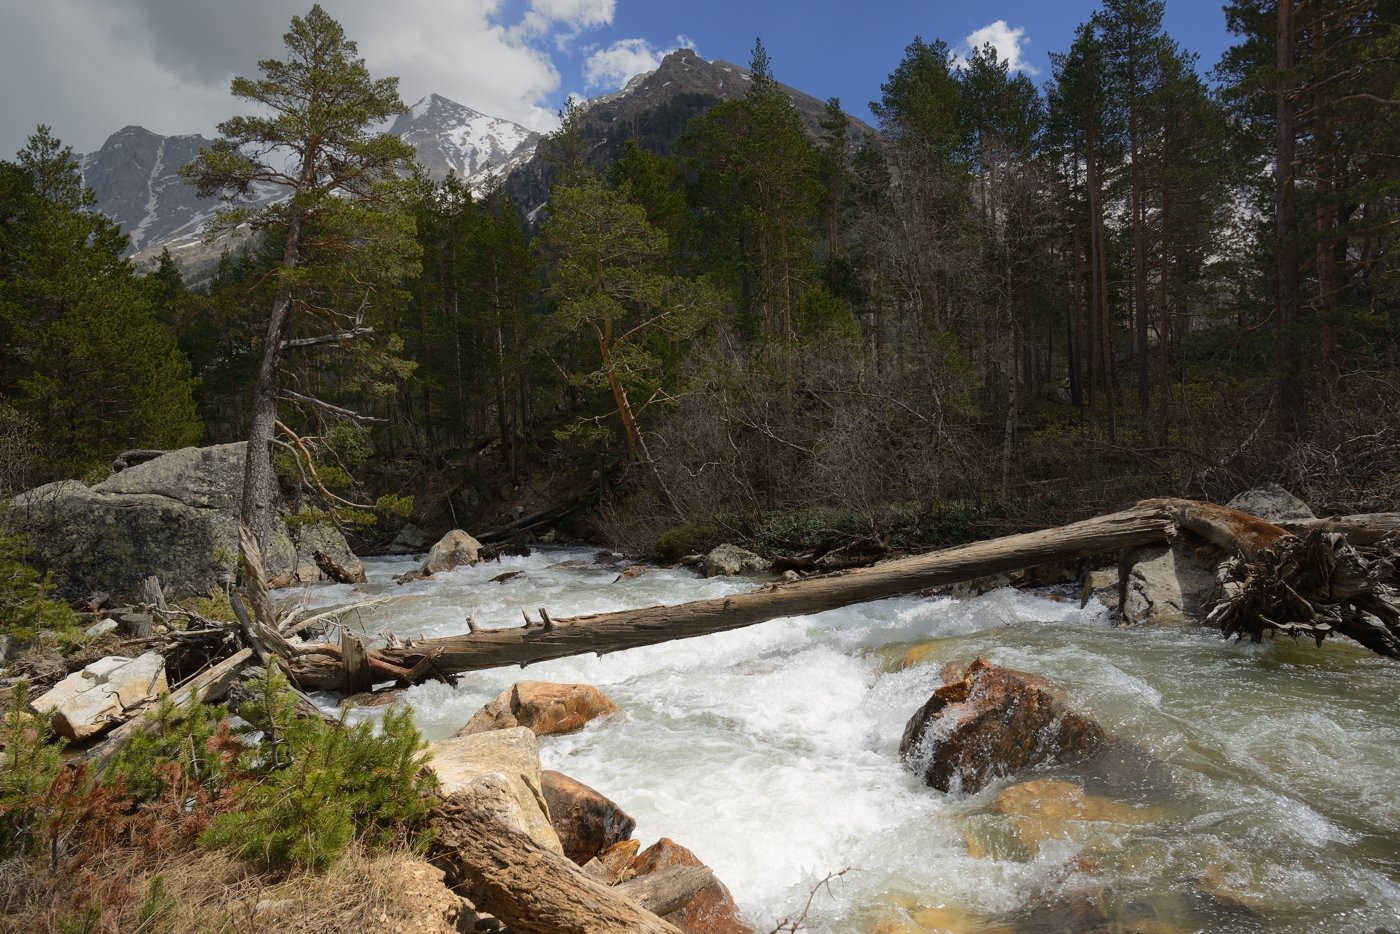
point(601, 256)
point(84, 355)
point(346, 234)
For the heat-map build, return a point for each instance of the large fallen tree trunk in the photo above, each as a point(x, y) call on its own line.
point(1271, 586)
point(507, 874)
point(611, 632)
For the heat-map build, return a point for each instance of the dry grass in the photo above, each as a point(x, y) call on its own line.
point(209, 891)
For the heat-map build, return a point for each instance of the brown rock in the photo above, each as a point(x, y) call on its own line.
point(546, 708)
point(616, 860)
point(1031, 813)
point(994, 722)
point(587, 822)
point(711, 911)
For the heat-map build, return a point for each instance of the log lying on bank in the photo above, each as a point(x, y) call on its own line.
point(1315, 585)
point(528, 887)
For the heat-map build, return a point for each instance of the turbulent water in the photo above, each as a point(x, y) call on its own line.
point(1257, 793)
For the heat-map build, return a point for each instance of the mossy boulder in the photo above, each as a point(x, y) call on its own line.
point(175, 516)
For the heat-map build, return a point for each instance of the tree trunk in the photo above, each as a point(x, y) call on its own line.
point(529, 888)
point(669, 889)
point(1147, 523)
point(1288, 362)
point(259, 481)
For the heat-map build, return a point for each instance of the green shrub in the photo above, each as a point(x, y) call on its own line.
point(689, 538)
point(27, 601)
point(28, 766)
point(186, 736)
point(316, 786)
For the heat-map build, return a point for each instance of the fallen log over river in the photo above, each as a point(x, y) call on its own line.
point(1312, 585)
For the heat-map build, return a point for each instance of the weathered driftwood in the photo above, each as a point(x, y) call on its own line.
point(529, 888)
point(1360, 531)
point(610, 632)
point(1345, 591)
point(208, 687)
point(525, 523)
point(335, 570)
point(669, 889)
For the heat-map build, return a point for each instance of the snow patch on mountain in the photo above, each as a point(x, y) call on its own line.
point(451, 137)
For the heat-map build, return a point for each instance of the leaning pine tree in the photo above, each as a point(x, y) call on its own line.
point(347, 232)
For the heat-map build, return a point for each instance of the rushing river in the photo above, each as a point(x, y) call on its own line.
point(1261, 793)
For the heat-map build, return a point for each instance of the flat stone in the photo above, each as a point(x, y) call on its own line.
point(109, 694)
point(500, 772)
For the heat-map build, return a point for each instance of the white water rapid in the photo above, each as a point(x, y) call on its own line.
point(1261, 797)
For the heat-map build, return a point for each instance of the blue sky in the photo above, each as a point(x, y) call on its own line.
point(847, 49)
point(90, 67)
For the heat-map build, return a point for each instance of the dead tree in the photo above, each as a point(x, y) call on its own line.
point(1316, 585)
point(529, 888)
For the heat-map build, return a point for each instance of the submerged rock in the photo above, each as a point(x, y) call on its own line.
point(710, 911)
point(587, 822)
point(995, 722)
point(1028, 814)
point(1167, 585)
point(498, 773)
point(545, 708)
point(731, 561)
point(175, 516)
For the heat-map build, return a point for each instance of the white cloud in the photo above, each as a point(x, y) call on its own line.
point(1006, 40)
point(611, 67)
point(89, 67)
point(565, 19)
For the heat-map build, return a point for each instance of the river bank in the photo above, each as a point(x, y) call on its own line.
point(771, 752)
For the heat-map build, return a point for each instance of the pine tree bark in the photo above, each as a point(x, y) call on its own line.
point(1287, 360)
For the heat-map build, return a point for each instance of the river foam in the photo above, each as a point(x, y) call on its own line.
point(771, 751)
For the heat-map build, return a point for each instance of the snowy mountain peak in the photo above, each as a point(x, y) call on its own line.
point(451, 137)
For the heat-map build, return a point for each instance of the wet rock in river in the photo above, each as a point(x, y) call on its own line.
point(545, 708)
point(1025, 816)
point(588, 823)
point(710, 911)
point(1167, 585)
point(994, 723)
point(453, 550)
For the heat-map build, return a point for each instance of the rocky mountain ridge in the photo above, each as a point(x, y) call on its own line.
point(134, 175)
point(134, 172)
point(653, 110)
